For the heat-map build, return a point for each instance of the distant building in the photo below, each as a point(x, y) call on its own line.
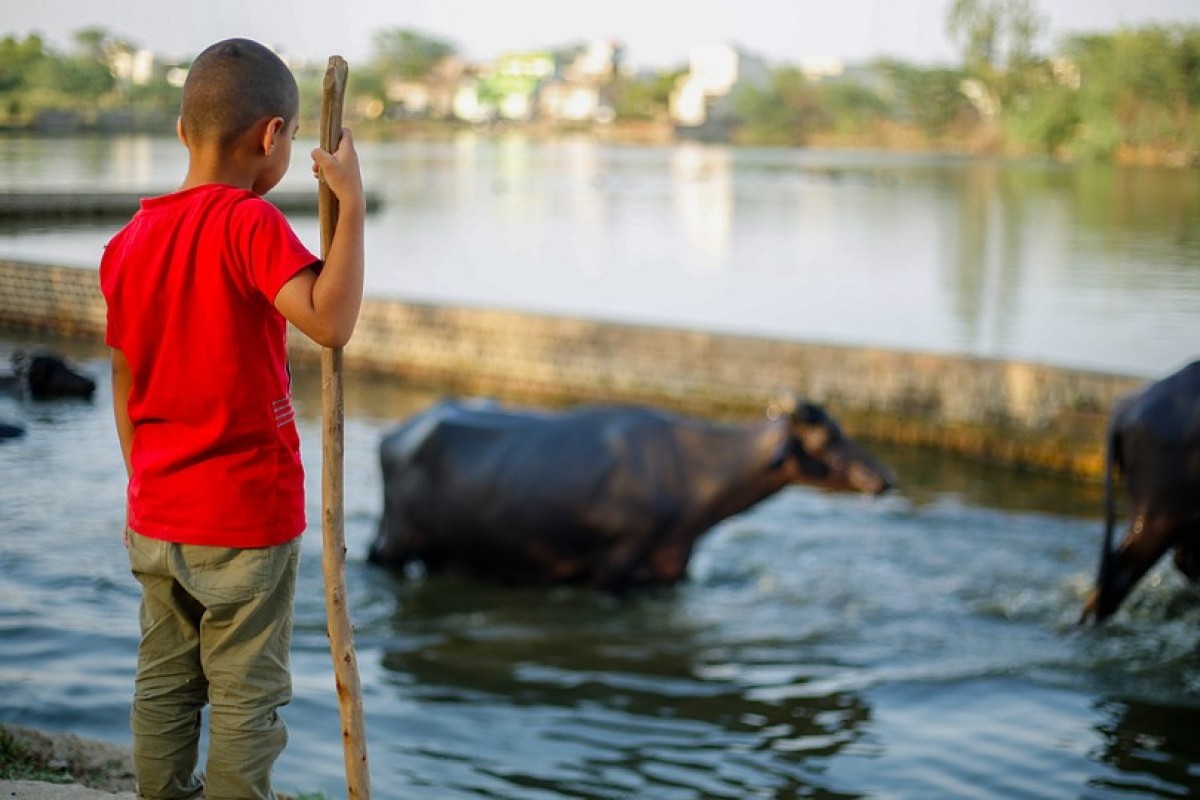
point(432, 97)
point(509, 89)
point(523, 87)
point(568, 102)
point(821, 68)
point(134, 67)
point(596, 64)
point(701, 105)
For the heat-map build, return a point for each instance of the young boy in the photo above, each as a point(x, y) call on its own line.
point(200, 286)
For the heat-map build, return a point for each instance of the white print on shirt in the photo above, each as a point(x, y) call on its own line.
point(284, 413)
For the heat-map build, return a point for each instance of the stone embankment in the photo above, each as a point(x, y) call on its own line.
point(22, 205)
point(1021, 414)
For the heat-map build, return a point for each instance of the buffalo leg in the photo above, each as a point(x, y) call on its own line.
point(1145, 542)
point(1187, 554)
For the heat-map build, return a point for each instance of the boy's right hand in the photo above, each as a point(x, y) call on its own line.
point(340, 170)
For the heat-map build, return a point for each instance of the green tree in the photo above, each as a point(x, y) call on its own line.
point(83, 80)
point(788, 111)
point(91, 42)
point(1138, 88)
point(931, 99)
point(849, 106)
point(643, 97)
point(18, 58)
point(1046, 121)
point(998, 39)
point(407, 53)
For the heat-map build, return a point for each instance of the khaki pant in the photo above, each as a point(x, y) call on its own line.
point(216, 628)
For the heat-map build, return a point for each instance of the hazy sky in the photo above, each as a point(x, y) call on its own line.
point(657, 33)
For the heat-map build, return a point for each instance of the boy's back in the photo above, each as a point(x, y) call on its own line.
point(190, 283)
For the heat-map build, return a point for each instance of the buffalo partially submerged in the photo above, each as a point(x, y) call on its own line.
point(45, 375)
point(1153, 450)
point(615, 497)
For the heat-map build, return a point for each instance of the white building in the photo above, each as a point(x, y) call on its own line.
point(701, 100)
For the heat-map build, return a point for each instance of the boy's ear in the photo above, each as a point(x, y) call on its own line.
point(271, 132)
point(179, 130)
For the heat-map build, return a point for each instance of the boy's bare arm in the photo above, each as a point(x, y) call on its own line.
point(121, 378)
point(325, 306)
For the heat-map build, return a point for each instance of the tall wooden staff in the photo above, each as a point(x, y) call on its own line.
point(333, 558)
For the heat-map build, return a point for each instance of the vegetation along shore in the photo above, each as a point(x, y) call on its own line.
point(1127, 96)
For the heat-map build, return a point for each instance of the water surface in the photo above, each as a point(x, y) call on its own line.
point(1096, 267)
point(916, 646)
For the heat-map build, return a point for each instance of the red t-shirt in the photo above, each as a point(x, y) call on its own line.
point(190, 285)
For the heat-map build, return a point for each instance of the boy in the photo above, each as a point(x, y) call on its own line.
point(200, 286)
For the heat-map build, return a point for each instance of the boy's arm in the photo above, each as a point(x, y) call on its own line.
point(325, 305)
point(121, 378)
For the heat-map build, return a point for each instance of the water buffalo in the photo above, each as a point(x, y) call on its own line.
point(614, 497)
point(1153, 447)
point(44, 375)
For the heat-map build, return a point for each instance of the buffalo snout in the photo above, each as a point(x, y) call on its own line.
point(870, 478)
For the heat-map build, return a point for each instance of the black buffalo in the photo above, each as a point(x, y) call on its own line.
point(614, 497)
point(44, 375)
point(1153, 448)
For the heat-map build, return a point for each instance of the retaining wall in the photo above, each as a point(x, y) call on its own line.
point(1016, 413)
point(17, 205)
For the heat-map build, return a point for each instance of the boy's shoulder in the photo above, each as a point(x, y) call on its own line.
point(208, 207)
point(202, 195)
point(206, 204)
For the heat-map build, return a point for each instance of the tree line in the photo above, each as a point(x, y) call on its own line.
point(1131, 94)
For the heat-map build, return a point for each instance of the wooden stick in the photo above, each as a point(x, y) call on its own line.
point(333, 556)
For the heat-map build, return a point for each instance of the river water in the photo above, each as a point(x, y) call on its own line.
point(914, 646)
point(1094, 267)
point(920, 645)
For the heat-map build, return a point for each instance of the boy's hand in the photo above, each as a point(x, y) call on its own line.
point(340, 170)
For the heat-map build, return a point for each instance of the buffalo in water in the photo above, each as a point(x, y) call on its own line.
point(41, 375)
point(45, 375)
point(613, 497)
point(1153, 451)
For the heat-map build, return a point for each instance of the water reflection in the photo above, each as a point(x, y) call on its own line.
point(1153, 747)
point(632, 696)
point(703, 181)
point(985, 273)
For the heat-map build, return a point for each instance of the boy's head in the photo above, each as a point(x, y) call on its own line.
point(231, 86)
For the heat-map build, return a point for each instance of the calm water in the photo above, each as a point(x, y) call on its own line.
point(918, 646)
point(1093, 267)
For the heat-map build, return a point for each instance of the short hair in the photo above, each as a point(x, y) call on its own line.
point(232, 85)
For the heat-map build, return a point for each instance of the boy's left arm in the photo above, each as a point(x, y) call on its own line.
point(121, 378)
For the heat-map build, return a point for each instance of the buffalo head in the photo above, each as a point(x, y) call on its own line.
point(820, 454)
point(46, 375)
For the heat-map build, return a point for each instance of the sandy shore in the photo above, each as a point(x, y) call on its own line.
point(99, 770)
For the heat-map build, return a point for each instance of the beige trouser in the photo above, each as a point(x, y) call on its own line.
point(216, 628)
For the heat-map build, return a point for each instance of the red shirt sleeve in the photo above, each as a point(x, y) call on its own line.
point(272, 251)
point(109, 266)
